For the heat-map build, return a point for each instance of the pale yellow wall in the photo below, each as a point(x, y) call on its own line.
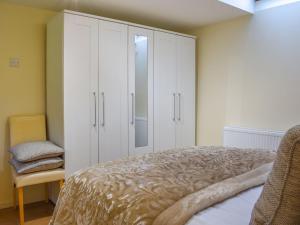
point(22, 90)
point(249, 73)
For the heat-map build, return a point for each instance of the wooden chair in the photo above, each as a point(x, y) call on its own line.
point(25, 129)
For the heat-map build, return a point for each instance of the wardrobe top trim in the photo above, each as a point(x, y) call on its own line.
point(127, 23)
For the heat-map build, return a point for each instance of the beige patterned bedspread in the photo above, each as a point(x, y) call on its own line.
point(164, 188)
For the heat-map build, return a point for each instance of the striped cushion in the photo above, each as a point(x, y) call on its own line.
point(279, 203)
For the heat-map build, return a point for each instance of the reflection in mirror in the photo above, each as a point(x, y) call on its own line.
point(141, 91)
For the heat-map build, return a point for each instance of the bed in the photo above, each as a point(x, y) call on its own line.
point(190, 186)
point(165, 188)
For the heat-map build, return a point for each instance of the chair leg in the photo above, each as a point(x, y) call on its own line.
point(61, 184)
point(14, 196)
point(46, 193)
point(21, 205)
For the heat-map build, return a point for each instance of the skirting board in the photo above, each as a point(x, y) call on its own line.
point(4, 205)
point(251, 138)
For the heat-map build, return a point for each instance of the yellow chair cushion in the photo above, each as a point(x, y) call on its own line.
point(38, 178)
point(26, 129)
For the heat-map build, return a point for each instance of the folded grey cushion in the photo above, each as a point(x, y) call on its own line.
point(36, 166)
point(31, 151)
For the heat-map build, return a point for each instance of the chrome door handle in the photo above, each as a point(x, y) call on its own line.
point(132, 108)
point(179, 107)
point(95, 110)
point(174, 106)
point(103, 110)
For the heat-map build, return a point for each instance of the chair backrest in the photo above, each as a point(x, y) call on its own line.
point(27, 128)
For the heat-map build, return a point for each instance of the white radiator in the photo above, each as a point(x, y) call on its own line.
point(251, 138)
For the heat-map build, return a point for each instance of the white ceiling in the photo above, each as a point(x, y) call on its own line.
point(178, 15)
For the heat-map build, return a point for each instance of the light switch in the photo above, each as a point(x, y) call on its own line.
point(14, 62)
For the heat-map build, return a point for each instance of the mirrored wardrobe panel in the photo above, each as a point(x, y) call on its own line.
point(140, 90)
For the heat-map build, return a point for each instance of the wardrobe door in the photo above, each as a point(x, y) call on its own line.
point(185, 115)
point(140, 75)
point(113, 91)
point(164, 90)
point(80, 92)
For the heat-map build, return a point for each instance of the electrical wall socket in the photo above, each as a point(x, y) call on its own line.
point(14, 62)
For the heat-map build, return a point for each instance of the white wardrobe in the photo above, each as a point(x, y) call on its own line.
point(116, 89)
point(174, 91)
